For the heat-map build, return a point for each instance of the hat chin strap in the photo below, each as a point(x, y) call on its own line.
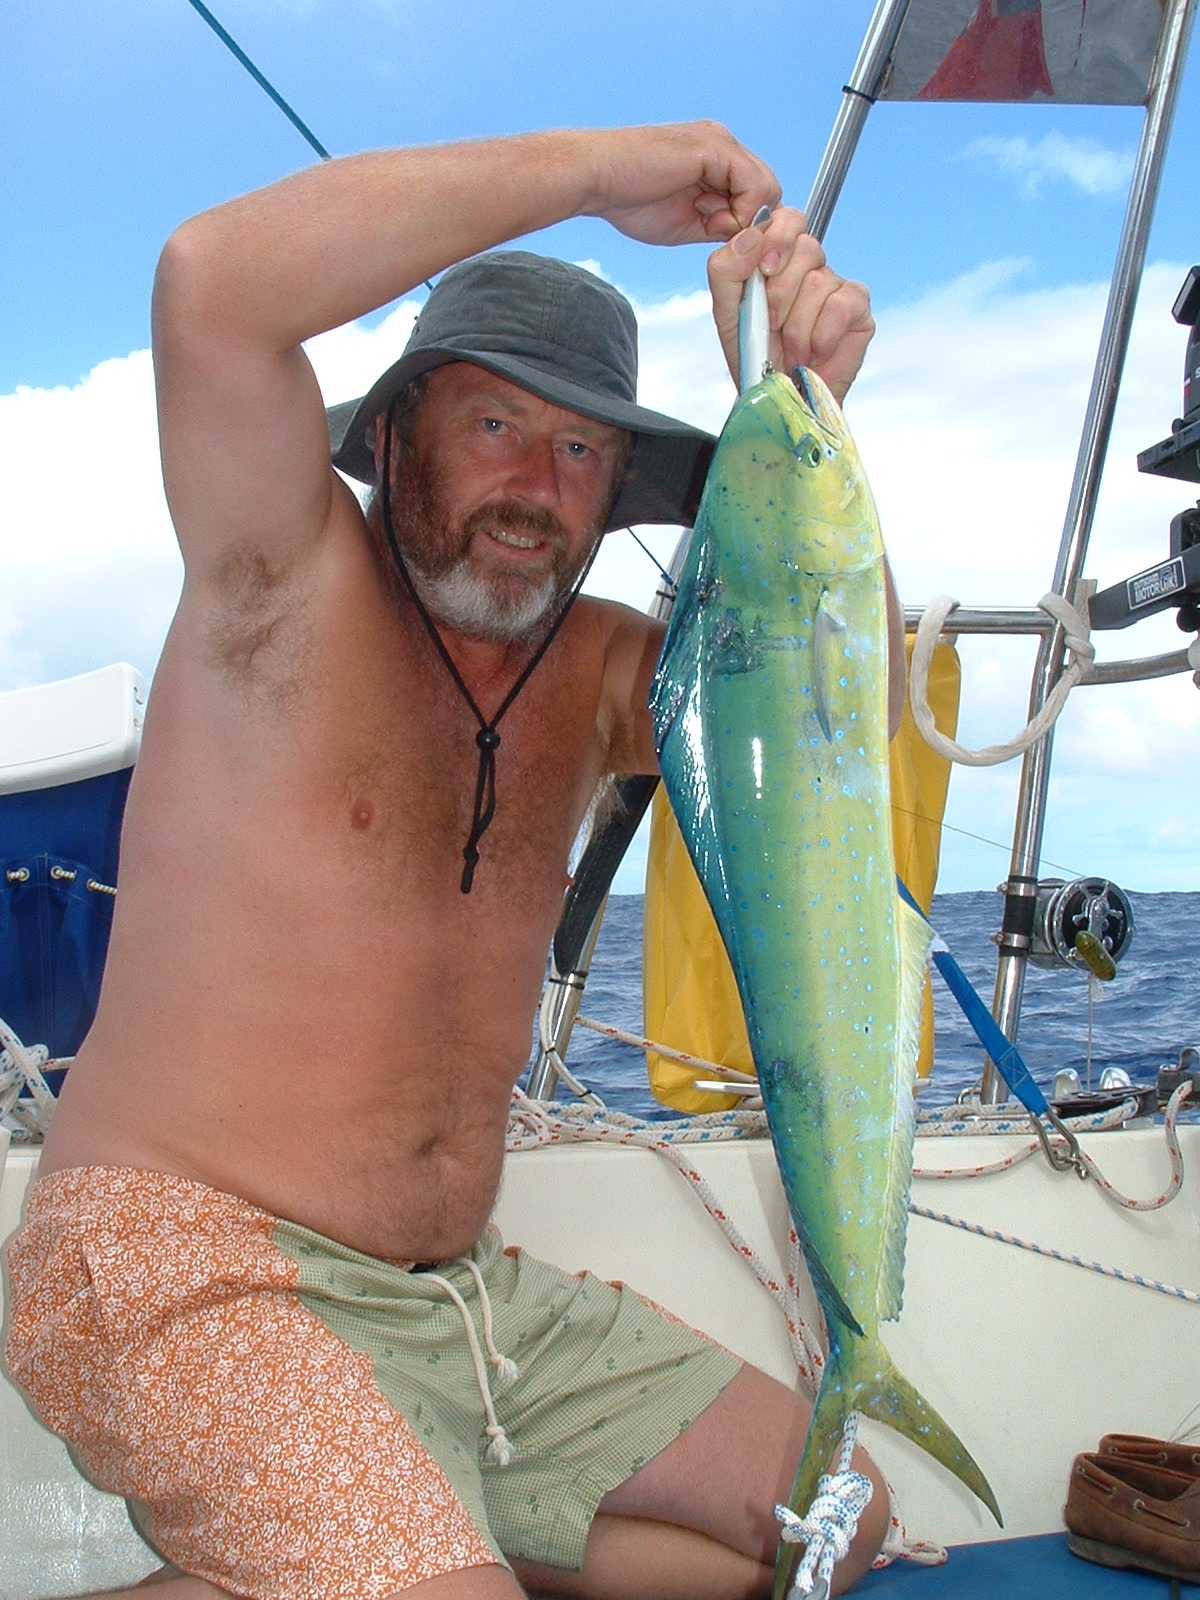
point(487, 738)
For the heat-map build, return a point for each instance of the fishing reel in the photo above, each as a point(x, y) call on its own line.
point(1084, 923)
point(1176, 581)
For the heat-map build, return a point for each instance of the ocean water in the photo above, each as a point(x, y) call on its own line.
point(1149, 1010)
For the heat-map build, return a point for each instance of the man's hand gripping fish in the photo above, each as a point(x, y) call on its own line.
point(770, 713)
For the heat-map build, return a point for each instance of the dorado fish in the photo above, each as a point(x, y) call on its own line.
point(770, 716)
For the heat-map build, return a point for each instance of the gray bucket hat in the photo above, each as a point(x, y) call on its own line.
point(566, 336)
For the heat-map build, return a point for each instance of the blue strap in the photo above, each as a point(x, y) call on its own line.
point(1003, 1052)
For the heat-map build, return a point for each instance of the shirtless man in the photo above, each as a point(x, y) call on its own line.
point(304, 1017)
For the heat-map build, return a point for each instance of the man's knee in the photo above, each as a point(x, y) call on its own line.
point(492, 1582)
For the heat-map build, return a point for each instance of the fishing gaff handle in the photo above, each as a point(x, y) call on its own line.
point(999, 1047)
point(1003, 1052)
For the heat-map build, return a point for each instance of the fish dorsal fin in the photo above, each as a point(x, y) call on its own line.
point(913, 937)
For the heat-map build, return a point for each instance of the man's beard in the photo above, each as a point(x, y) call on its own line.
point(503, 607)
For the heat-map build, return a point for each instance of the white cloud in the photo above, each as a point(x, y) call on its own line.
point(1085, 163)
point(967, 416)
point(88, 567)
point(348, 360)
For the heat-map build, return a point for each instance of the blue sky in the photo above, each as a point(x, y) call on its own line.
point(122, 119)
point(985, 233)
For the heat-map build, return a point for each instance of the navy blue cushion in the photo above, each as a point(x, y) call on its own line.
point(1014, 1569)
point(54, 928)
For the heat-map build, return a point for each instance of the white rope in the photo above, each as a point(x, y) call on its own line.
point(684, 1057)
point(1098, 1121)
point(949, 1121)
point(828, 1527)
point(1080, 652)
point(552, 1053)
point(26, 1100)
point(499, 1451)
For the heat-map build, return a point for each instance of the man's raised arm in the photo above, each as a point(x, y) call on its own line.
point(243, 434)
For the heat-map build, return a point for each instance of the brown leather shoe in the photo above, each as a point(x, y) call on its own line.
point(1183, 1458)
point(1130, 1514)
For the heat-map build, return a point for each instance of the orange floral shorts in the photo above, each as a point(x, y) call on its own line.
point(292, 1420)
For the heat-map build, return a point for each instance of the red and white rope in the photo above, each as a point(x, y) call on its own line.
point(665, 1050)
point(1097, 1122)
point(954, 1121)
point(533, 1126)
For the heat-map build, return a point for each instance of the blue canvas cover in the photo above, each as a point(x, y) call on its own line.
point(54, 928)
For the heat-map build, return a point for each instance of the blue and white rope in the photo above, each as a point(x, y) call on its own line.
point(829, 1526)
point(1068, 1259)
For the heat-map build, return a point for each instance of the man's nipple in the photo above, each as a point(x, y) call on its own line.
point(362, 814)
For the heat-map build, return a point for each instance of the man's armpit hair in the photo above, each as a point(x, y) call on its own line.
point(245, 578)
point(256, 609)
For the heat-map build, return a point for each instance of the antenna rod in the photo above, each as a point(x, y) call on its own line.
point(241, 55)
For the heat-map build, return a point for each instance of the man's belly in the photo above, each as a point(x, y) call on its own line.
point(405, 1172)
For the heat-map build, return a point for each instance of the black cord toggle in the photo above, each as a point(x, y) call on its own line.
point(488, 740)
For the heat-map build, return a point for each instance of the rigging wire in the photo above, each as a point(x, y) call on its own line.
point(236, 50)
point(982, 838)
point(662, 571)
point(232, 45)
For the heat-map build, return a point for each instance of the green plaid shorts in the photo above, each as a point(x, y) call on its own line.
point(607, 1379)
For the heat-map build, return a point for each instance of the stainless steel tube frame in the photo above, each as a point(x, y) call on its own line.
point(859, 96)
point(1013, 939)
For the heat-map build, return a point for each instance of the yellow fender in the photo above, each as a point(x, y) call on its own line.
point(690, 998)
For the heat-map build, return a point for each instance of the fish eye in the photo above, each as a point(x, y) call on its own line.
point(808, 450)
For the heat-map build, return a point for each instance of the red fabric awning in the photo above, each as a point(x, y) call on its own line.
point(1081, 52)
point(1000, 55)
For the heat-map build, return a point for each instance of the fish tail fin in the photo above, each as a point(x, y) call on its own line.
point(885, 1393)
point(863, 1377)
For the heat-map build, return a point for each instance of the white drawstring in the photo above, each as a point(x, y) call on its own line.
point(499, 1451)
point(507, 1370)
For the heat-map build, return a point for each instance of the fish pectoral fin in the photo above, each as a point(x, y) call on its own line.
point(829, 633)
